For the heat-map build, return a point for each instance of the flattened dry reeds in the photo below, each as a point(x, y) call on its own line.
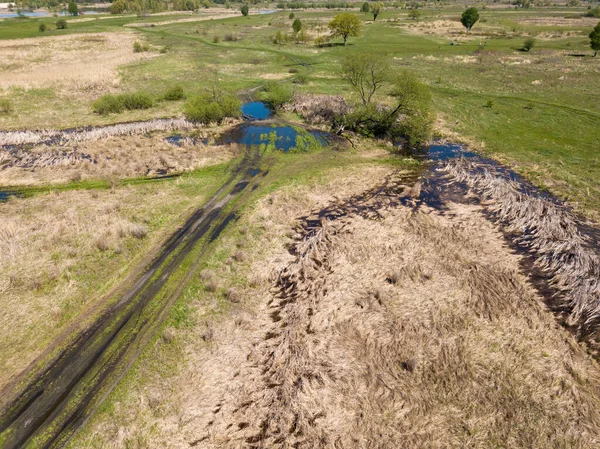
point(548, 229)
point(319, 109)
point(72, 136)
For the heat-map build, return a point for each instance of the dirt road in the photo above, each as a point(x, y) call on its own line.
point(49, 401)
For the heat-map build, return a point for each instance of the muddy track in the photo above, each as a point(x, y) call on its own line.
point(54, 397)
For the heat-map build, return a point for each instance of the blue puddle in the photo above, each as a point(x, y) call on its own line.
point(256, 110)
point(281, 137)
point(4, 196)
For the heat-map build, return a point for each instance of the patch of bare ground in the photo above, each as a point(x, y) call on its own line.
point(450, 29)
point(84, 63)
point(60, 252)
point(390, 326)
point(111, 158)
point(559, 21)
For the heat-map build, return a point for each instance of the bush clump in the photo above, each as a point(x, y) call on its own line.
point(115, 104)
point(61, 24)
point(594, 12)
point(108, 104)
point(137, 100)
point(5, 106)
point(408, 122)
point(528, 44)
point(174, 93)
point(138, 47)
point(212, 107)
point(277, 94)
point(42, 28)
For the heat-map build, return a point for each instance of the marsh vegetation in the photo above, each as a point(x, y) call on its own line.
point(248, 188)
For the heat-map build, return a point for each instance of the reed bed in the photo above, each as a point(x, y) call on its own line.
point(319, 109)
point(90, 134)
point(547, 228)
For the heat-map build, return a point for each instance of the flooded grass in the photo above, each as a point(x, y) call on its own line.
point(280, 137)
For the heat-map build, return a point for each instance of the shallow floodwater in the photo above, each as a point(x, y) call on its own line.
point(12, 15)
point(256, 110)
point(282, 137)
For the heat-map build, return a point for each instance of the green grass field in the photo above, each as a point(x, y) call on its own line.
point(544, 111)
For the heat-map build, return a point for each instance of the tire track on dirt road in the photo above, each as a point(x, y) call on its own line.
point(57, 394)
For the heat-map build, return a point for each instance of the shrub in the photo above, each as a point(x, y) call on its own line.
point(489, 104)
point(409, 122)
point(174, 93)
point(594, 12)
point(277, 94)
point(230, 37)
point(42, 27)
point(321, 40)
point(61, 24)
point(244, 10)
point(5, 106)
point(114, 104)
point(137, 100)
point(139, 231)
point(138, 47)
point(212, 108)
point(528, 44)
point(216, 39)
point(292, 16)
point(108, 104)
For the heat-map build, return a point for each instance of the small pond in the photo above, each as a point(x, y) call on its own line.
point(281, 137)
point(256, 110)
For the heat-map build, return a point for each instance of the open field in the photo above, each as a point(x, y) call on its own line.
point(183, 291)
point(544, 106)
point(61, 252)
point(375, 332)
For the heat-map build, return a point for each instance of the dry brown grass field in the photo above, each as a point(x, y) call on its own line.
point(112, 158)
point(84, 64)
point(60, 252)
point(393, 326)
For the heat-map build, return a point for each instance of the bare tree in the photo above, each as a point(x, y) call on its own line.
point(366, 73)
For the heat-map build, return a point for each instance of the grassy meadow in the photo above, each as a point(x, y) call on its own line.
point(535, 111)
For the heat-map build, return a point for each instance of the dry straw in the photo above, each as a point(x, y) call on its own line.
point(92, 134)
point(549, 230)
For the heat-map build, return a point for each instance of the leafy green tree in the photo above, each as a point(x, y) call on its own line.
point(73, 10)
point(244, 10)
point(61, 24)
point(595, 39)
point(414, 106)
point(365, 7)
point(469, 18)
point(297, 25)
point(376, 9)
point(117, 7)
point(366, 73)
point(345, 25)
